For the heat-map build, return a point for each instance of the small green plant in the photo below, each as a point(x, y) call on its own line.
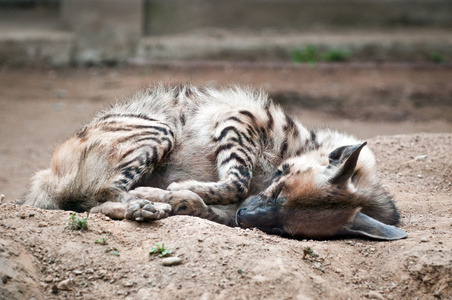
point(309, 54)
point(336, 55)
point(102, 240)
point(160, 249)
point(114, 250)
point(77, 223)
point(308, 251)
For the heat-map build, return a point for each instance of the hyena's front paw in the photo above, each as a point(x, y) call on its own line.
point(189, 185)
point(144, 210)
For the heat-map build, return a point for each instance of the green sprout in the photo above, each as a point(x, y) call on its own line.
point(114, 249)
point(102, 241)
point(308, 251)
point(77, 223)
point(160, 249)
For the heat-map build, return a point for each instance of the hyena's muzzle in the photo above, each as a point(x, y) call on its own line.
point(313, 224)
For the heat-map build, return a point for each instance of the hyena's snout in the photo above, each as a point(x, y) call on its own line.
point(259, 213)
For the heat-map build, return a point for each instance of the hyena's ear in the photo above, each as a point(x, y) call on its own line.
point(365, 226)
point(344, 160)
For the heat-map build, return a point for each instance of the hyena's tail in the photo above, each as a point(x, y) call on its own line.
point(42, 191)
point(79, 178)
point(48, 191)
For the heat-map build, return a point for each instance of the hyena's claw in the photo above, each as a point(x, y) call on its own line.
point(144, 210)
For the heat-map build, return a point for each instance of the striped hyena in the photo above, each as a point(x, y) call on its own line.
point(228, 155)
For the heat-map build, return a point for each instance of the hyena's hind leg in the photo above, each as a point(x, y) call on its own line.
point(145, 151)
point(101, 164)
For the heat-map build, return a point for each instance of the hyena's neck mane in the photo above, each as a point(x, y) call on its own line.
point(292, 139)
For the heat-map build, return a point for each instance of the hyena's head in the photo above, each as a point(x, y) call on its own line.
point(314, 196)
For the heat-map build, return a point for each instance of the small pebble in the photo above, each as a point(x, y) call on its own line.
point(43, 224)
point(421, 157)
point(424, 240)
point(65, 284)
point(375, 295)
point(128, 284)
point(171, 261)
point(49, 279)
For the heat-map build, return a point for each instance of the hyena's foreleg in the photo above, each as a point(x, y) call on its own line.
point(237, 145)
point(188, 203)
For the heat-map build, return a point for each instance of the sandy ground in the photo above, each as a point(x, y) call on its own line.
point(403, 112)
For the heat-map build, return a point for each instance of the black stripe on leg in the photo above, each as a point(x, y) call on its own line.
point(126, 164)
point(127, 174)
point(152, 159)
point(239, 187)
point(243, 171)
point(243, 181)
point(235, 157)
point(170, 143)
point(122, 184)
point(226, 130)
point(233, 139)
point(251, 131)
point(224, 147)
point(248, 158)
point(248, 139)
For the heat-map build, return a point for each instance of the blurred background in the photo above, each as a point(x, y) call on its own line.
point(74, 32)
point(367, 67)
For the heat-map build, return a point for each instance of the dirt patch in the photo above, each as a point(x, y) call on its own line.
point(41, 258)
point(38, 252)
